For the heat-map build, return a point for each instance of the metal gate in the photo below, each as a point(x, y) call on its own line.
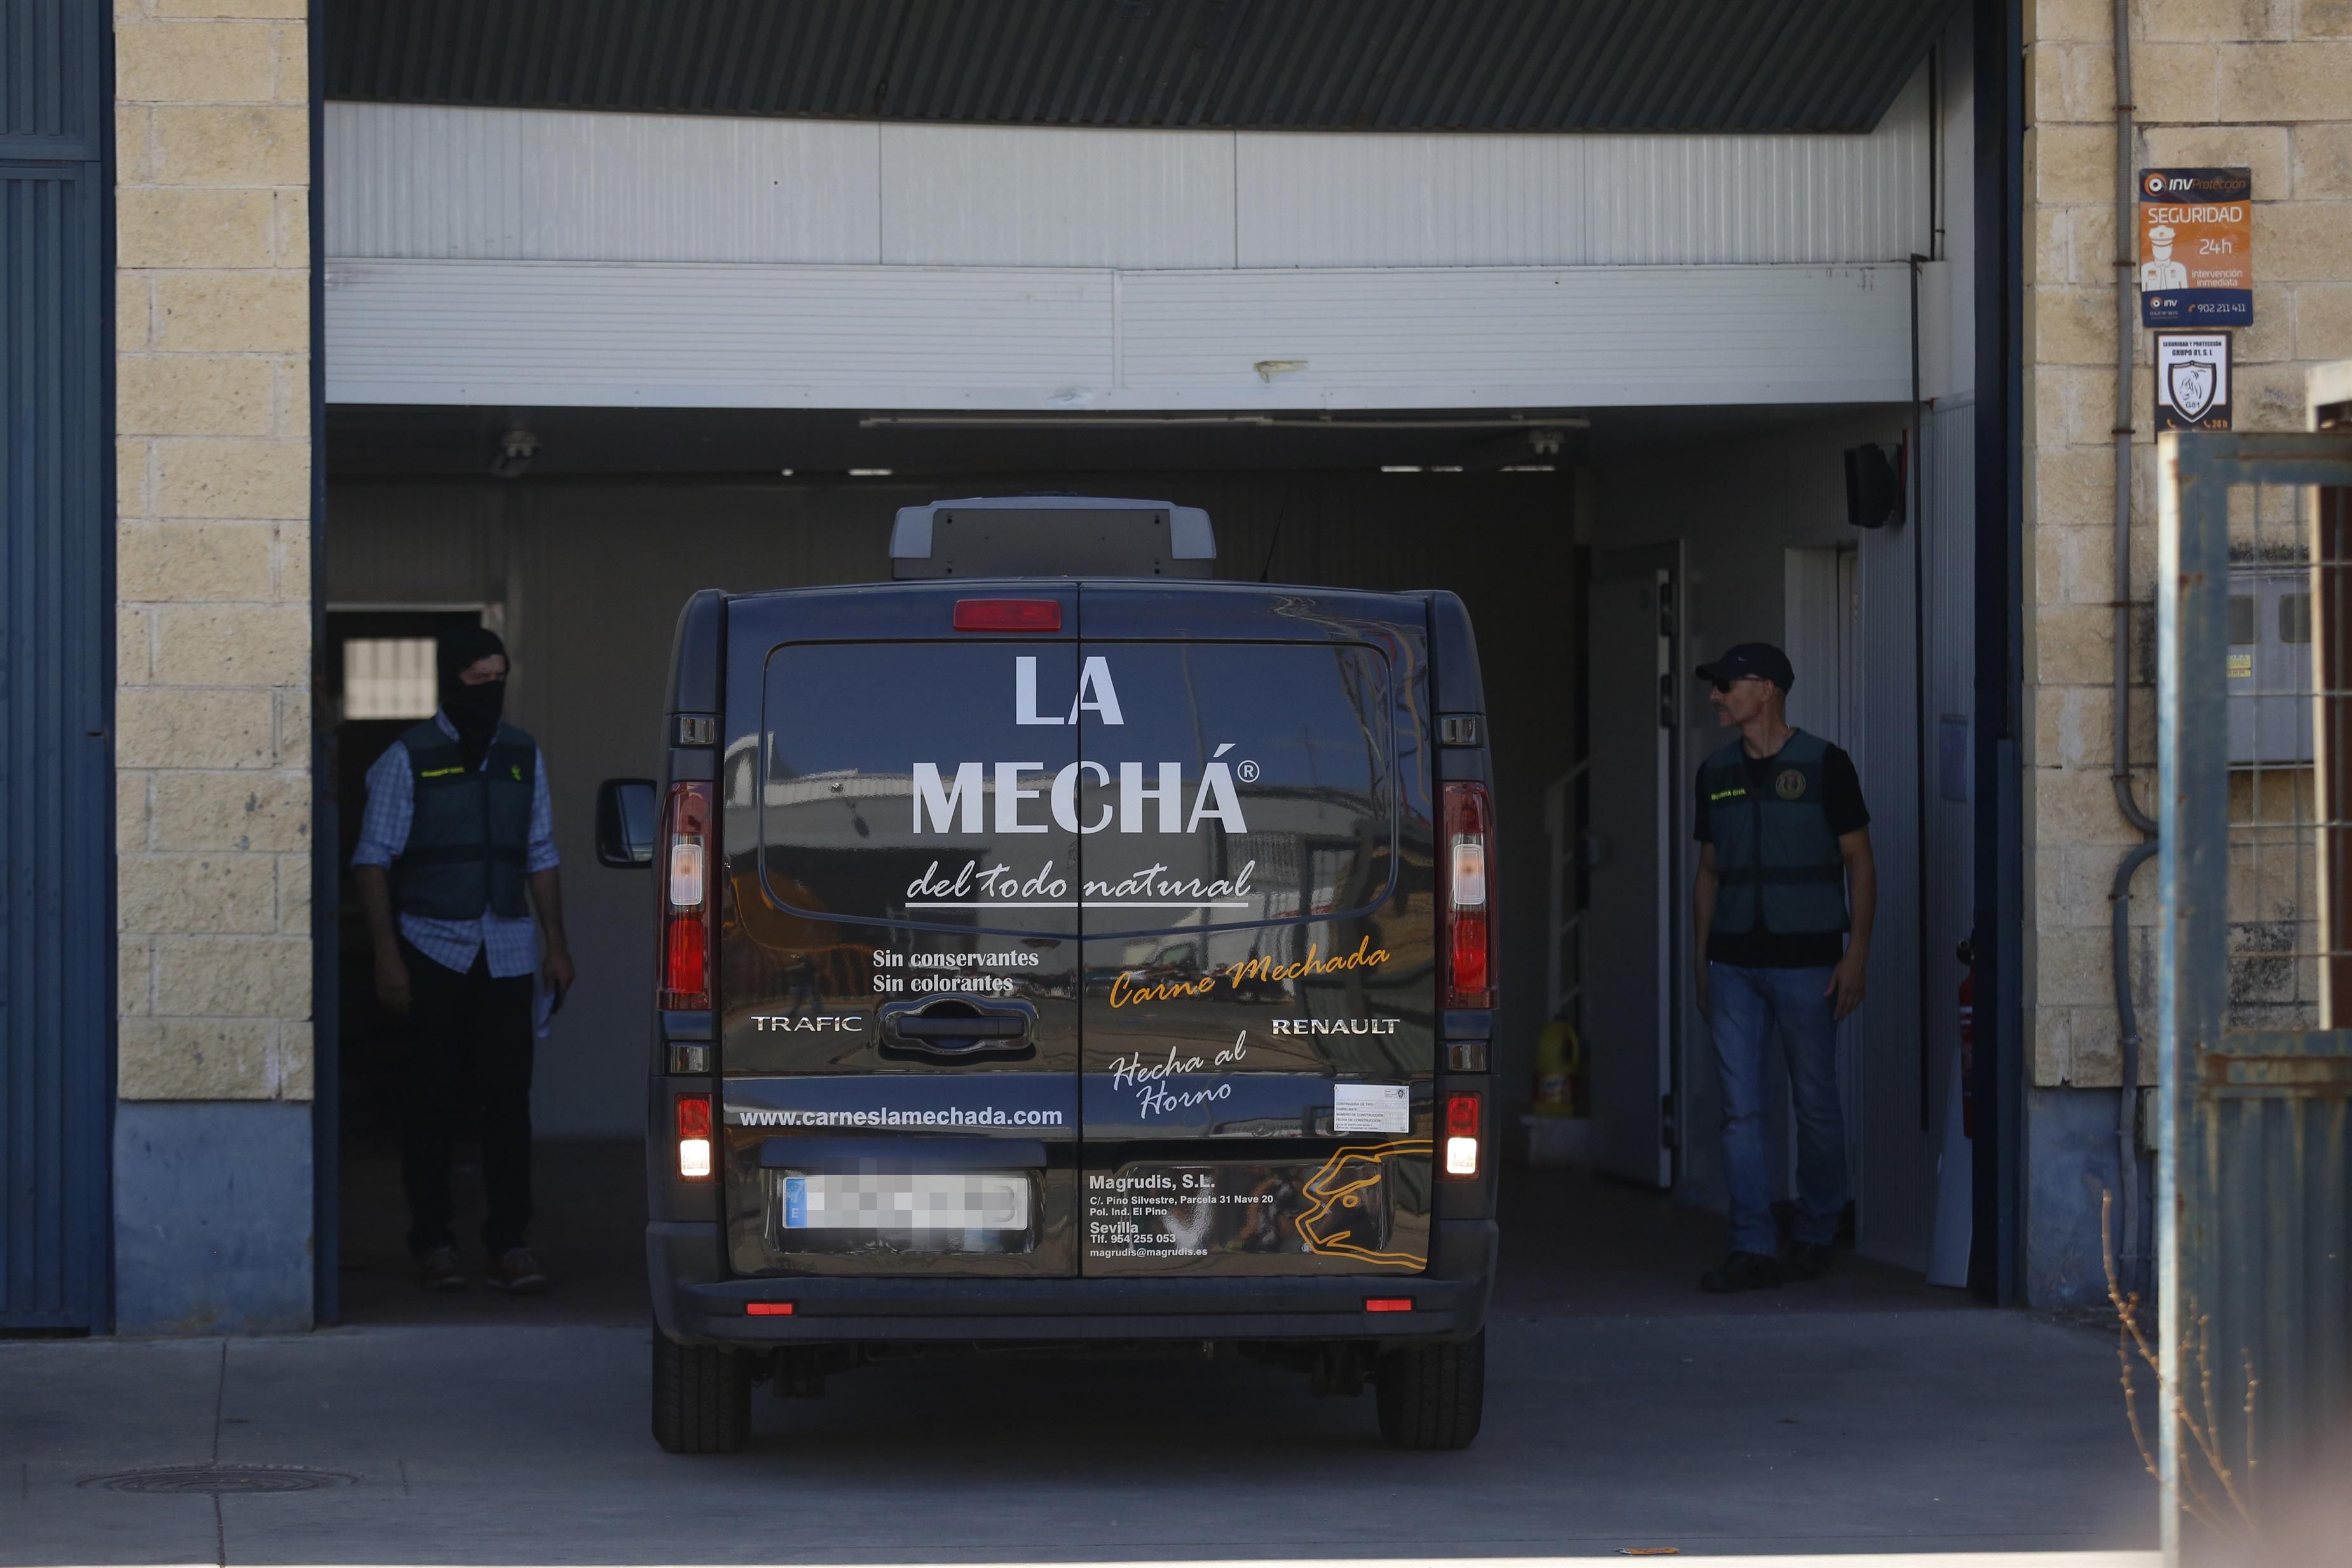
point(2254, 1336)
point(57, 875)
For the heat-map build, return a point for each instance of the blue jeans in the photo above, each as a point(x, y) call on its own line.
point(1745, 1006)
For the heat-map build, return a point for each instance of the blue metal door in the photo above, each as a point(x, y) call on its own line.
point(2252, 1355)
point(57, 987)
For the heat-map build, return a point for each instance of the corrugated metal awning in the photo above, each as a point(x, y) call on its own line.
point(1296, 65)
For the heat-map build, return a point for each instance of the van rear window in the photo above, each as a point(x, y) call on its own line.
point(1063, 788)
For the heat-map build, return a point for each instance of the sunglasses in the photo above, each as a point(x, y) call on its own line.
point(1725, 682)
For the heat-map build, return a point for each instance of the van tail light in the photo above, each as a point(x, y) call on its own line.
point(687, 851)
point(1461, 1135)
point(694, 1138)
point(1469, 897)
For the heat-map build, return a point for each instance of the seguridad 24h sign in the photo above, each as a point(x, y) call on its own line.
point(2196, 248)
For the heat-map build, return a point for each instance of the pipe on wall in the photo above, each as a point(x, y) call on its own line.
point(1997, 1209)
point(2119, 896)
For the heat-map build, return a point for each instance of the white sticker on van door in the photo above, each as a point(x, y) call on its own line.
point(1371, 1108)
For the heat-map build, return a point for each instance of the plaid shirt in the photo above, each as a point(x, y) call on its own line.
point(513, 941)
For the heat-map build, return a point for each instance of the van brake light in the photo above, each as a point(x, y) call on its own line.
point(1469, 896)
point(1008, 615)
point(1461, 1135)
point(686, 900)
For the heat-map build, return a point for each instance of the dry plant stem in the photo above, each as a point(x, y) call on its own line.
point(2126, 1318)
point(2208, 1436)
point(2253, 1382)
point(2130, 1340)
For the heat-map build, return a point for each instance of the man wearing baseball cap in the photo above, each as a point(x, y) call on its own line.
point(1782, 907)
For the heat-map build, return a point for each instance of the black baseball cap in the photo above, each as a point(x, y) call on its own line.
point(1750, 659)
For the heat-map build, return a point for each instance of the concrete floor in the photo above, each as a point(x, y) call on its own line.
point(1868, 1416)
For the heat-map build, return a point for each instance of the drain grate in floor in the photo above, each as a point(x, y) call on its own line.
point(218, 1479)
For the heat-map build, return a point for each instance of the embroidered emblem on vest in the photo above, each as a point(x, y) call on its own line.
point(1790, 784)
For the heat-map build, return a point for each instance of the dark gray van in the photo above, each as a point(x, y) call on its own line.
point(1059, 948)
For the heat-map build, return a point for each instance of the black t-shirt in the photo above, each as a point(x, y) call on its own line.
point(1759, 949)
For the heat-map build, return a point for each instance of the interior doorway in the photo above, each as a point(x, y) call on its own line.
point(1823, 615)
point(1632, 961)
point(376, 678)
point(376, 668)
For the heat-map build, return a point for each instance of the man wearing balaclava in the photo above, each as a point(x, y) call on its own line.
point(457, 852)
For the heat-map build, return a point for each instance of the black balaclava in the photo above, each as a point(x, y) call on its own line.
point(473, 709)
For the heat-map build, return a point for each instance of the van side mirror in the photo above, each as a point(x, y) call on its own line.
point(625, 823)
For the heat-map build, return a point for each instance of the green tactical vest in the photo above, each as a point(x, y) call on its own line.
point(1774, 856)
point(470, 835)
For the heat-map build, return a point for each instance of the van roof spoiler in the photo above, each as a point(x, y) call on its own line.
point(1051, 536)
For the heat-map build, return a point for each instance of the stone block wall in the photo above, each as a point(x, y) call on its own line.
point(2263, 83)
point(213, 751)
point(213, 410)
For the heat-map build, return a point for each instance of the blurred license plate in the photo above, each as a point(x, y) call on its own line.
point(990, 1202)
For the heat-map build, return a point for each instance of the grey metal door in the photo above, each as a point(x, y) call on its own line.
point(57, 987)
point(1632, 915)
point(2252, 1348)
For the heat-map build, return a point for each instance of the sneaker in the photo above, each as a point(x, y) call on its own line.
point(1742, 1271)
point(1811, 1260)
point(438, 1270)
point(517, 1272)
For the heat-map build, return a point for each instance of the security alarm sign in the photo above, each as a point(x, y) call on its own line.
point(2192, 381)
point(2196, 248)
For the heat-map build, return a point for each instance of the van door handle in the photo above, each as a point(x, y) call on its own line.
point(956, 1029)
point(982, 1028)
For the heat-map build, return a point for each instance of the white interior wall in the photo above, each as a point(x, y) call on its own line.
point(591, 576)
point(429, 182)
point(594, 260)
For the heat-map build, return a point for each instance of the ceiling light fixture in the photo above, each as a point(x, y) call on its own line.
point(516, 449)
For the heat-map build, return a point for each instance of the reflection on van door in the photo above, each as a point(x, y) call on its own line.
point(1630, 942)
point(899, 1037)
point(1260, 1023)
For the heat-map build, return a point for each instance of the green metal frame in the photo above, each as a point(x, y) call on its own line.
point(2254, 1172)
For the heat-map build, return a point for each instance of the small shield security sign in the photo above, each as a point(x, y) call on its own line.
point(1790, 785)
point(2192, 381)
point(2193, 388)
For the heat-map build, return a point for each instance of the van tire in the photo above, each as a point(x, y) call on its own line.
point(1432, 1395)
point(703, 1397)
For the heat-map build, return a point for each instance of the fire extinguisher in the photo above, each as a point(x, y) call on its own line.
point(1968, 956)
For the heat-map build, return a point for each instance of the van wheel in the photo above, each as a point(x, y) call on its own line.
point(1432, 1397)
point(703, 1397)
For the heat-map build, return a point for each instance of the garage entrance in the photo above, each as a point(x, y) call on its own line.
point(584, 359)
point(583, 556)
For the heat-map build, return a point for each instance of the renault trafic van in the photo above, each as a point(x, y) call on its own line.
point(1060, 949)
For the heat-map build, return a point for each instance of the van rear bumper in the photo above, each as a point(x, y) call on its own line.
point(695, 1303)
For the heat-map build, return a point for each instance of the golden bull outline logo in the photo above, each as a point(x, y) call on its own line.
point(1346, 1192)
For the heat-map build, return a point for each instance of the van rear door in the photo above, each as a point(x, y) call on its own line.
point(899, 950)
point(1259, 982)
